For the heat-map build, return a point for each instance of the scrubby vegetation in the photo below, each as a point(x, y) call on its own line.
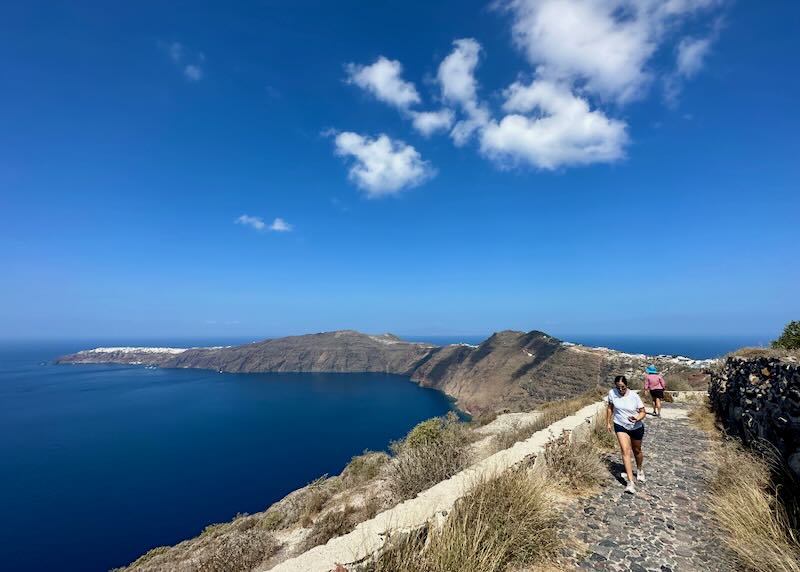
point(238, 546)
point(505, 522)
point(433, 451)
point(756, 526)
point(575, 464)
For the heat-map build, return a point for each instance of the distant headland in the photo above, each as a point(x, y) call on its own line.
point(510, 370)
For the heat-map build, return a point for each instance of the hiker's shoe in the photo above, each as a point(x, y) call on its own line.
point(640, 476)
point(630, 489)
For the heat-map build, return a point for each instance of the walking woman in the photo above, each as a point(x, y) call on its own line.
point(627, 410)
point(656, 385)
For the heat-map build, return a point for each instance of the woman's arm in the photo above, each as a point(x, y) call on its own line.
point(609, 412)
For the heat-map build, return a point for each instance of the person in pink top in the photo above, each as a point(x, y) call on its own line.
point(656, 385)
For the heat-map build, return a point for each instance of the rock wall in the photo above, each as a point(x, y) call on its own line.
point(759, 398)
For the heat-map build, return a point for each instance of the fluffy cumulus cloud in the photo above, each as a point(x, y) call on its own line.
point(383, 80)
point(257, 223)
point(602, 45)
point(587, 59)
point(382, 166)
point(560, 129)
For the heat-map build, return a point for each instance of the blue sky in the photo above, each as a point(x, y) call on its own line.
point(266, 168)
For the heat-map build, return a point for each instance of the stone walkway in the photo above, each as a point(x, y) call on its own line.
point(666, 526)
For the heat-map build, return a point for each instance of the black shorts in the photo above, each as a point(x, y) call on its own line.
point(634, 434)
point(657, 393)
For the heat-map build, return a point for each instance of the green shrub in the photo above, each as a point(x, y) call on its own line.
point(434, 450)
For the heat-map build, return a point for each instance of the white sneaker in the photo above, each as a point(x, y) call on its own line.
point(640, 476)
point(630, 488)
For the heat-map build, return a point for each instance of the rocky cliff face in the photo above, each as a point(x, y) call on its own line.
point(517, 371)
point(509, 370)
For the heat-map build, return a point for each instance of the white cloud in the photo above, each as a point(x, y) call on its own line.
point(563, 130)
point(382, 166)
point(190, 63)
point(255, 222)
point(691, 55)
point(429, 122)
point(382, 79)
point(456, 77)
point(193, 72)
point(280, 225)
point(602, 45)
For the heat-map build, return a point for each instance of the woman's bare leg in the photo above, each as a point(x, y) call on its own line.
point(658, 406)
point(625, 446)
point(637, 452)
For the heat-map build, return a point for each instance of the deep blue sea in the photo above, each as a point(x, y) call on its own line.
point(101, 463)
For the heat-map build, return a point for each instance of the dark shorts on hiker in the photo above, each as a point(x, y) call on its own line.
point(657, 393)
point(634, 434)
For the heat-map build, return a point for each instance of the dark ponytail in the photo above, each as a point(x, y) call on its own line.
point(621, 378)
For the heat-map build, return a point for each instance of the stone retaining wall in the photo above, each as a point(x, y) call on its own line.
point(759, 398)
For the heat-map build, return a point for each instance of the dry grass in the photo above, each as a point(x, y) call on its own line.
point(433, 451)
point(575, 464)
point(505, 522)
point(702, 416)
point(601, 437)
point(766, 353)
point(330, 525)
point(745, 504)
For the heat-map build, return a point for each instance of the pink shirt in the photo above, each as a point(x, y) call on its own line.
point(654, 381)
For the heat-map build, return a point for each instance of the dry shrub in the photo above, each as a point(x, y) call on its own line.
point(503, 522)
point(433, 451)
point(272, 520)
point(239, 546)
point(575, 464)
point(330, 525)
point(745, 503)
point(241, 552)
point(363, 468)
point(317, 493)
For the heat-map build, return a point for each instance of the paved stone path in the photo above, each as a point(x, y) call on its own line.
point(666, 526)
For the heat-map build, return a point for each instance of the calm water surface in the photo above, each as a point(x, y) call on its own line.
point(101, 463)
